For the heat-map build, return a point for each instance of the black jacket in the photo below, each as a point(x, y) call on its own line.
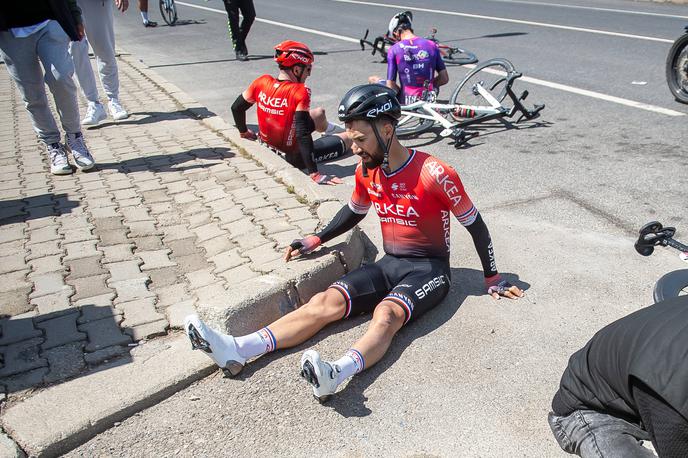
point(650, 345)
point(23, 13)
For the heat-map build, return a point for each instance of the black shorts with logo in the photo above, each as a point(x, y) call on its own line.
point(415, 284)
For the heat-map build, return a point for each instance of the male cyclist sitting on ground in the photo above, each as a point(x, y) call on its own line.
point(414, 195)
point(285, 120)
point(415, 59)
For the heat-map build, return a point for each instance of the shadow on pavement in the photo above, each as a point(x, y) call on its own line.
point(169, 162)
point(149, 117)
point(34, 207)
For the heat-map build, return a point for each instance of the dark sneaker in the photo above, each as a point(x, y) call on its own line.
point(241, 55)
point(80, 153)
point(150, 24)
point(59, 163)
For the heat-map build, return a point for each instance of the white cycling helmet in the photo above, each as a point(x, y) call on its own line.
point(399, 19)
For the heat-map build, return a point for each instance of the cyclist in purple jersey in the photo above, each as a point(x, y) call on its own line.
point(415, 59)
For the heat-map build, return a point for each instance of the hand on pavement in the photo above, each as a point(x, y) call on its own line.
point(325, 179)
point(303, 246)
point(249, 135)
point(504, 289)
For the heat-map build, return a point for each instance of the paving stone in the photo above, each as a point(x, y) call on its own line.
point(238, 274)
point(250, 240)
point(278, 225)
point(113, 237)
point(85, 267)
point(64, 362)
point(148, 185)
point(245, 192)
point(257, 175)
point(60, 331)
point(104, 333)
point(246, 166)
point(230, 215)
point(18, 328)
point(43, 234)
point(267, 213)
point(200, 278)
point(255, 202)
point(164, 276)
point(162, 207)
point(132, 214)
point(79, 250)
point(94, 202)
point(105, 354)
point(148, 330)
point(208, 232)
point(96, 308)
point(155, 195)
point(130, 202)
point(139, 312)
point(269, 266)
point(40, 250)
point(168, 295)
point(109, 223)
point(25, 380)
point(217, 245)
point(177, 312)
point(73, 222)
point(39, 212)
point(240, 227)
point(8, 448)
point(184, 247)
point(169, 219)
point(262, 254)
point(177, 232)
point(11, 264)
point(78, 235)
point(199, 219)
point(288, 203)
point(155, 259)
point(124, 270)
point(52, 305)
point(14, 248)
point(124, 194)
point(15, 301)
point(21, 357)
point(142, 229)
point(89, 287)
point(214, 293)
point(192, 208)
point(149, 243)
point(227, 260)
point(191, 262)
point(284, 239)
point(104, 212)
point(48, 283)
point(116, 253)
point(307, 226)
point(296, 214)
point(129, 290)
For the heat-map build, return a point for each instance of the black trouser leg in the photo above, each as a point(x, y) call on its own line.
point(232, 8)
point(248, 11)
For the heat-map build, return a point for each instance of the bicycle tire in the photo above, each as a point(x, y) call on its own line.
point(677, 69)
point(412, 125)
point(673, 284)
point(458, 56)
point(497, 83)
point(169, 15)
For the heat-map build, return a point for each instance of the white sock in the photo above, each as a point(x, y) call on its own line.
point(349, 364)
point(256, 344)
point(144, 15)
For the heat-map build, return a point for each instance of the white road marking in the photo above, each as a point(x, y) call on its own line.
point(593, 8)
point(561, 87)
point(514, 21)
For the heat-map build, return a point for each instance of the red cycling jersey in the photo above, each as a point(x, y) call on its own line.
point(414, 205)
point(277, 103)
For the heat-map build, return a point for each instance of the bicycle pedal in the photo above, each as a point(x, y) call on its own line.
point(524, 95)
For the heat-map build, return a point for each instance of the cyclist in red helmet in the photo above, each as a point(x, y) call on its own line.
point(285, 118)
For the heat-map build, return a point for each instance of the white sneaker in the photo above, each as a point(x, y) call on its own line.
point(94, 114)
point(220, 347)
point(59, 163)
point(116, 111)
point(80, 153)
point(321, 374)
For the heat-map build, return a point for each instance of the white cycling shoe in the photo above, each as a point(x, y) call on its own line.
point(220, 347)
point(322, 375)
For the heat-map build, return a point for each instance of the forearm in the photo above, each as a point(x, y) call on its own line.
point(344, 221)
point(304, 126)
point(75, 10)
point(239, 108)
point(483, 246)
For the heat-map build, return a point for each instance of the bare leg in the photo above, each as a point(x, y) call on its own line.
point(143, 6)
point(303, 323)
point(388, 318)
point(320, 120)
point(374, 79)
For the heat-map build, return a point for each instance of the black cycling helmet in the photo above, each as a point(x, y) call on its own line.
point(400, 19)
point(370, 102)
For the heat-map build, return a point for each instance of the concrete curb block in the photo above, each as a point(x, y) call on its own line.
point(64, 416)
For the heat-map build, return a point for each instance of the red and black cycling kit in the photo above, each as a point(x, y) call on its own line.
point(414, 204)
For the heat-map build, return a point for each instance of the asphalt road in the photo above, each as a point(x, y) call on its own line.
point(562, 196)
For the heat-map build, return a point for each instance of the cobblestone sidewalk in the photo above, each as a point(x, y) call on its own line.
point(95, 262)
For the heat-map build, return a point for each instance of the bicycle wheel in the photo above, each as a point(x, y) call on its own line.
point(677, 69)
point(492, 76)
point(411, 125)
point(168, 11)
point(673, 284)
point(457, 56)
